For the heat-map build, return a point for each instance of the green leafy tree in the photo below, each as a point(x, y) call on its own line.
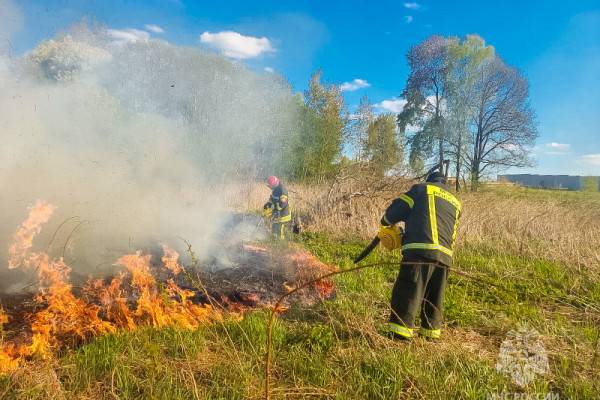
point(590, 183)
point(463, 60)
point(321, 131)
point(358, 129)
point(382, 146)
point(465, 103)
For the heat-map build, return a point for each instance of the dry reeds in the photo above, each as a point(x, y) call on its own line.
point(556, 226)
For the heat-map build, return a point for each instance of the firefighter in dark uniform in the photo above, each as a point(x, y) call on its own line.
point(278, 209)
point(430, 214)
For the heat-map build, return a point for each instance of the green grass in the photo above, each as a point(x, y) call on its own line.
point(336, 349)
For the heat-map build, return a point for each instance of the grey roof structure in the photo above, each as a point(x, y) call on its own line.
point(569, 182)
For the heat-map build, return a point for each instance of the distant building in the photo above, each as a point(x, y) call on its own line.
point(568, 182)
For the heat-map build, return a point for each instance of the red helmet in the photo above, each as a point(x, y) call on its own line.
point(272, 181)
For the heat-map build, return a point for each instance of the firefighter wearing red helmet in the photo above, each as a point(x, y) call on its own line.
point(278, 208)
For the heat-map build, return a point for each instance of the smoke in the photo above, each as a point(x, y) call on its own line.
point(131, 142)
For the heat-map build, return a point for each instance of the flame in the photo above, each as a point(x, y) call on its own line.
point(39, 214)
point(131, 299)
point(114, 303)
point(8, 359)
point(170, 259)
point(66, 319)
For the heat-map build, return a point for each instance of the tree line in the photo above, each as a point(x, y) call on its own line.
point(464, 104)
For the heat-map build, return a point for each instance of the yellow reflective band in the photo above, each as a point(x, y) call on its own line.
point(407, 199)
point(400, 330)
point(427, 246)
point(455, 227)
point(430, 333)
point(287, 218)
point(439, 192)
point(432, 217)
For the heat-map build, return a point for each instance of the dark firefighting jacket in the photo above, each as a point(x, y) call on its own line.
point(279, 203)
point(431, 214)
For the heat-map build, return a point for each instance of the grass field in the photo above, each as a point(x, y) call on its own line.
point(526, 258)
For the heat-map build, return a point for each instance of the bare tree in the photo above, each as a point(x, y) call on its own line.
point(502, 121)
point(425, 93)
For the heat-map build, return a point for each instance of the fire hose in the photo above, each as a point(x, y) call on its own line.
point(367, 250)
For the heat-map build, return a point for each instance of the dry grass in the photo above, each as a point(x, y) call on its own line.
point(523, 244)
point(555, 226)
point(562, 227)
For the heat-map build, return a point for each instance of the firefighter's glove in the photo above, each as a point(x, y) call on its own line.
point(389, 237)
point(267, 212)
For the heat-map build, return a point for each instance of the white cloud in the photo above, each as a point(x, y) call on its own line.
point(558, 146)
point(409, 19)
point(354, 85)
point(154, 28)
point(123, 36)
point(556, 149)
point(412, 6)
point(234, 45)
point(591, 159)
point(391, 105)
point(269, 70)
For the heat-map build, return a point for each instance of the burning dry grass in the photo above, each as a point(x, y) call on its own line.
point(336, 348)
point(61, 317)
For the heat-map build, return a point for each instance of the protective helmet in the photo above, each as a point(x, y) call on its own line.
point(272, 181)
point(436, 177)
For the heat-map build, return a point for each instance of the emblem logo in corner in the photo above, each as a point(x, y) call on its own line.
point(522, 356)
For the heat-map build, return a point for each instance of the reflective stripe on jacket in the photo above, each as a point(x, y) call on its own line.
point(431, 214)
point(280, 203)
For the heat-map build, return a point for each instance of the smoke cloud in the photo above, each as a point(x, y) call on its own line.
point(131, 142)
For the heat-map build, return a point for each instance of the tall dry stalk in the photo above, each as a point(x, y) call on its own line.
point(555, 226)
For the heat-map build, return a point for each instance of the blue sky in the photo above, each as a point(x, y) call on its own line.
point(363, 43)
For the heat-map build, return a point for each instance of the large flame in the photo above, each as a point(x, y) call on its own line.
point(130, 299)
point(64, 318)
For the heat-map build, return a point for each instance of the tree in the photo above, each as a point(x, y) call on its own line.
point(425, 94)
point(590, 183)
point(382, 144)
point(321, 123)
point(464, 59)
point(502, 123)
point(463, 102)
point(358, 129)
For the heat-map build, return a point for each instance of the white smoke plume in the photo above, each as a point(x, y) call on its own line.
point(129, 142)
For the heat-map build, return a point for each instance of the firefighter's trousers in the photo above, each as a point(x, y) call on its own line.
point(418, 287)
point(281, 230)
